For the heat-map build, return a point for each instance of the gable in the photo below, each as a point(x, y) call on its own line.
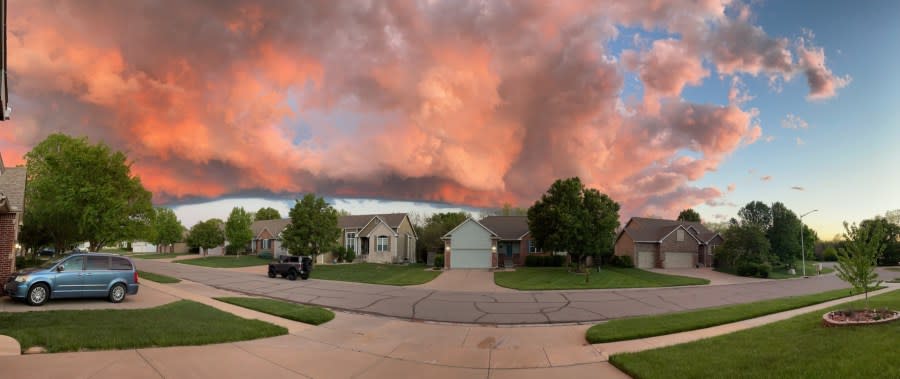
point(673, 235)
point(466, 224)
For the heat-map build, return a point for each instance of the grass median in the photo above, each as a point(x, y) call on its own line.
point(799, 347)
point(291, 311)
point(375, 273)
point(158, 256)
point(157, 277)
point(226, 261)
point(651, 326)
point(559, 278)
point(176, 324)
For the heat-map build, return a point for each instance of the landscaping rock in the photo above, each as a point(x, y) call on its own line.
point(35, 350)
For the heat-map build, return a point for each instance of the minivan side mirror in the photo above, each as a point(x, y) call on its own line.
point(60, 268)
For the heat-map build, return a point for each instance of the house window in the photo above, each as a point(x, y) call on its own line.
point(532, 248)
point(382, 244)
point(679, 235)
point(350, 241)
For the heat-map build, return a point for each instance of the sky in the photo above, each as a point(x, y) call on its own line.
point(443, 105)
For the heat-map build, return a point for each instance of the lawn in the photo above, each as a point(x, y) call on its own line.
point(374, 273)
point(159, 256)
point(297, 312)
point(649, 326)
point(176, 324)
point(782, 273)
point(799, 347)
point(558, 278)
point(157, 277)
point(226, 261)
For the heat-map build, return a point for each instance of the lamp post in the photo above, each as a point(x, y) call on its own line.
point(802, 249)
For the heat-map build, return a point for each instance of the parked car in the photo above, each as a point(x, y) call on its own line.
point(47, 252)
point(290, 267)
point(76, 275)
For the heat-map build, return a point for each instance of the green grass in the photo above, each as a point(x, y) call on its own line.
point(782, 273)
point(374, 273)
point(799, 347)
point(297, 312)
point(650, 326)
point(157, 277)
point(226, 261)
point(176, 324)
point(558, 278)
point(158, 256)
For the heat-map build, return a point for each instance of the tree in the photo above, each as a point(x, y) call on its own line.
point(689, 215)
point(206, 235)
point(508, 210)
point(890, 239)
point(83, 192)
point(436, 226)
point(743, 244)
point(267, 213)
point(237, 230)
point(857, 259)
point(313, 228)
point(569, 217)
point(757, 214)
point(165, 229)
point(784, 234)
point(810, 240)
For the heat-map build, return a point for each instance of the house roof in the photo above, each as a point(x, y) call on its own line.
point(273, 226)
point(373, 223)
point(12, 187)
point(360, 221)
point(507, 227)
point(450, 233)
point(642, 229)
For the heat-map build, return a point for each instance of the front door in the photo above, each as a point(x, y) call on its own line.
point(509, 255)
point(69, 281)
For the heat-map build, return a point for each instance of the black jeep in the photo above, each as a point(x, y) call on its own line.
point(291, 267)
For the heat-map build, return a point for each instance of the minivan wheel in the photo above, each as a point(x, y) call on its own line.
point(38, 294)
point(292, 275)
point(117, 293)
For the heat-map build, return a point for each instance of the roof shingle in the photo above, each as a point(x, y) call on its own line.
point(12, 185)
point(643, 229)
point(507, 227)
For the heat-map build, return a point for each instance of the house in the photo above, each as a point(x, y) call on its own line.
point(12, 208)
point(143, 247)
point(657, 243)
point(487, 243)
point(377, 238)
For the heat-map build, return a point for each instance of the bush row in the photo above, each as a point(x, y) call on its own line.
point(621, 261)
point(759, 270)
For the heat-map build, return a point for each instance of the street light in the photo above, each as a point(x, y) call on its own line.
point(802, 250)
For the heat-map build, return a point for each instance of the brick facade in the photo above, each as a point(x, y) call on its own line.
point(7, 245)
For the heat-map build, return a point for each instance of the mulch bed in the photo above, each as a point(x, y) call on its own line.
point(859, 317)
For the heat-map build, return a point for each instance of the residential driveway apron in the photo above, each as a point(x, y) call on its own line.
point(464, 281)
point(715, 278)
point(539, 307)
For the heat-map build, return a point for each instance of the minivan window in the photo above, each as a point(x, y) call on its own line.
point(73, 264)
point(97, 263)
point(120, 264)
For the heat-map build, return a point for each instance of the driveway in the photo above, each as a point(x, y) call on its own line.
point(494, 308)
point(147, 297)
point(715, 278)
point(464, 281)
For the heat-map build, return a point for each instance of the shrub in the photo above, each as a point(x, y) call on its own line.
point(622, 261)
point(747, 269)
point(338, 253)
point(439, 261)
point(349, 255)
point(557, 260)
point(763, 269)
point(265, 255)
point(830, 254)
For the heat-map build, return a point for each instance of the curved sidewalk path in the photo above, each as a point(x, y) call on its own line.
point(500, 308)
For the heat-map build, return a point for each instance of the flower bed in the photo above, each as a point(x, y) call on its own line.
point(859, 317)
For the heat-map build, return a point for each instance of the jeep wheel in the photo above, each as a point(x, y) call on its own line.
point(38, 294)
point(117, 293)
point(272, 273)
point(304, 275)
point(292, 275)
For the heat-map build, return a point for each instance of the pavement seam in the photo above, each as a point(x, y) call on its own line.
point(102, 368)
point(236, 345)
point(416, 304)
point(138, 351)
point(549, 362)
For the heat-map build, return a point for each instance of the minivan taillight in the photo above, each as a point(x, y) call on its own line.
point(135, 278)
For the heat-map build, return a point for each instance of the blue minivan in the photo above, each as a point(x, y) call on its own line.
point(77, 275)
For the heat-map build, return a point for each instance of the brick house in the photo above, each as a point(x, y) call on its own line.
point(12, 207)
point(657, 243)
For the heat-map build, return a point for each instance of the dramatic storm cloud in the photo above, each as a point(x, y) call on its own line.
point(475, 103)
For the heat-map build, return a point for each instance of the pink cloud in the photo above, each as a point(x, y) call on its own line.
point(792, 121)
point(822, 82)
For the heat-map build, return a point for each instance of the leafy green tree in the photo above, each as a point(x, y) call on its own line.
point(33, 236)
point(689, 215)
point(756, 214)
point(569, 217)
point(810, 239)
point(858, 258)
point(313, 228)
point(267, 213)
point(436, 226)
point(743, 244)
point(784, 234)
point(207, 235)
point(165, 229)
point(237, 230)
point(85, 192)
point(890, 238)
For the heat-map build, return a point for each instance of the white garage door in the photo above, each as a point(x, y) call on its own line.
point(679, 260)
point(645, 259)
point(470, 258)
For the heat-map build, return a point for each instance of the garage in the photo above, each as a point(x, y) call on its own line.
point(679, 260)
point(645, 259)
point(470, 245)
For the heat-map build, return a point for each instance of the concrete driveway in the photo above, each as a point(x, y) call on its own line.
point(464, 281)
point(147, 297)
point(495, 308)
point(715, 278)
